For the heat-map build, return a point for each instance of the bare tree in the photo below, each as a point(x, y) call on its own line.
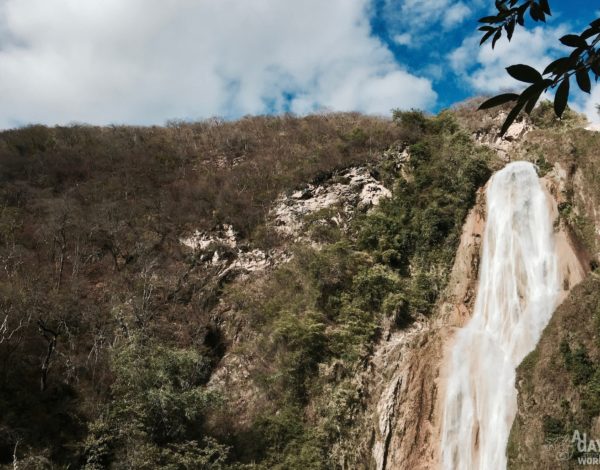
point(51, 337)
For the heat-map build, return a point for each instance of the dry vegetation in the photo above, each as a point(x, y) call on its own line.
point(108, 330)
point(90, 259)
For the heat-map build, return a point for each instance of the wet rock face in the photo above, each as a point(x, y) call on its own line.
point(406, 375)
point(408, 372)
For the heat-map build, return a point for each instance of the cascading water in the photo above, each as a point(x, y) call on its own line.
point(518, 290)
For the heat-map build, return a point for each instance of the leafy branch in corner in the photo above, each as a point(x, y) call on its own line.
point(583, 60)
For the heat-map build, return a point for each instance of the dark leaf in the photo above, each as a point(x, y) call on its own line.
point(489, 19)
point(532, 101)
point(535, 12)
point(545, 7)
point(583, 80)
point(532, 94)
point(510, 29)
point(498, 100)
point(497, 36)
point(512, 116)
point(501, 6)
point(562, 97)
point(572, 40)
point(486, 28)
point(588, 33)
point(524, 73)
point(559, 66)
point(521, 18)
point(576, 53)
point(595, 23)
point(486, 36)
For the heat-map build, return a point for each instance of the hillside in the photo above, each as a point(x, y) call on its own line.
point(558, 381)
point(245, 295)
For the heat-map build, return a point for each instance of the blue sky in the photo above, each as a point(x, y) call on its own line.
point(427, 55)
point(149, 61)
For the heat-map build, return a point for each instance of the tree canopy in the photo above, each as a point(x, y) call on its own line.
point(583, 60)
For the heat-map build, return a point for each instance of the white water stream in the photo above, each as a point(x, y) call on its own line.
point(518, 290)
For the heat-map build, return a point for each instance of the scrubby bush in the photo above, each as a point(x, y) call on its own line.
point(553, 428)
point(120, 326)
point(543, 116)
point(156, 415)
point(577, 362)
point(326, 308)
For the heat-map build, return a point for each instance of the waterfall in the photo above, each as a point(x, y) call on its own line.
point(517, 293)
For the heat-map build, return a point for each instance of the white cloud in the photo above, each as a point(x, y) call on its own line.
point(403, 39)
point(455, 15)
point(143, 61)
point(590, 103)
point(423, 20)
point(484, 69)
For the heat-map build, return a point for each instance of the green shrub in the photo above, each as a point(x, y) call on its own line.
point(371, 286)
point(591, 396)
point(414, 123)
point(325, 308)
point(578, 363)
point(156, 414)
point(543, 166)
point(553, 428)
point(544, 117)
point(301, 345)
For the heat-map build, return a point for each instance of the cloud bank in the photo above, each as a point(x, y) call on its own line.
point(146, 61)
point(483, 70)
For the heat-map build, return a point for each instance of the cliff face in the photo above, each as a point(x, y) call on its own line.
point(558, 381)
point(393, 385)
point(407, 376)
point(396, 420)
point(557, 386)
point(407, 414)
point(413, 364)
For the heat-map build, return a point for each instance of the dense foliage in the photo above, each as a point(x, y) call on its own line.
point(110, 330)
point(95, 286)
point(326, 308)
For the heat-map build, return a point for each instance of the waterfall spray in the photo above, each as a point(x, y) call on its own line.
point(517, 293)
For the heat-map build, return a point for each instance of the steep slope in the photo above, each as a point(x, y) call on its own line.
point(347, 322)
point(408, 369)
point(558, 386)
point(109, 320)
point(413, 365)
point(557, 382)
point(211, 295)
point(275, 292)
